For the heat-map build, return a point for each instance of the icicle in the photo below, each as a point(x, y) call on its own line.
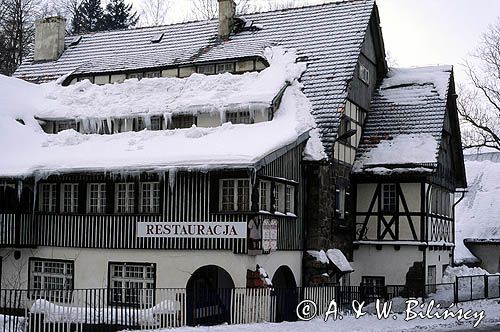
point(167, 118)
point(172, 174)
point(19, 190)
point(253, 175)
point(147, 121)
point(109, 121)
point(222, 114)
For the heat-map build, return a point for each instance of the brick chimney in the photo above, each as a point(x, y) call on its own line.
point(227, 11)
point(49, 38)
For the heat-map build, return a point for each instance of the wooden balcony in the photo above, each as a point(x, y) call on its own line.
point(120, 232)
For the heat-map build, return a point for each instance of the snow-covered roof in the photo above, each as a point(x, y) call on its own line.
point(476, 216)
point(339, 260)
point(28, 151)
point(328, 37)
point(195, 94)
point(403, 129)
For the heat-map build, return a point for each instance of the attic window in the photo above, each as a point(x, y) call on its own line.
point(183, 121)
point(75, 40)
point(206, 69)
point(239, 117)
point(364, 74)
point(227, 67)
point(135, 75)
point(153, 74)
point(157, 38)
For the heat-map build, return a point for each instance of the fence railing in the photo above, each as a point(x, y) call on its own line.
point(118, 309)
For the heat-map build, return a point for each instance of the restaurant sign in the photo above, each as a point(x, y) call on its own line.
point(207, 230)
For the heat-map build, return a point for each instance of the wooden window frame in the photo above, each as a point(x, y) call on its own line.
point(364, 74)
point(130, 208)
point(57, 295)
point(124, 289)
point(101, 199)
point(150, 207)
point(74, 198)
point(52, 197)
point(265, 194)
point(240, 115)
point(183, 121)
point(388, 208)
point(225, 70)
point(235, 195)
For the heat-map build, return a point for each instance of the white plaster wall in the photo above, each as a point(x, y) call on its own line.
point(388, 262)
point(173, 267)
point(438, 258)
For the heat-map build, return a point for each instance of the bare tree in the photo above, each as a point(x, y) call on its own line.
point(155, 12)
point(17, 30)
point(279, 4)
point(479, 106)
point(208, 9)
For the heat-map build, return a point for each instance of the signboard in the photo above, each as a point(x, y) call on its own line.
point(205, 230)
point(269, 234)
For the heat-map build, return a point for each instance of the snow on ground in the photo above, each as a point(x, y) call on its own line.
point(366, 323)
point(402, 149)
point(27, 150)
point(477, 214)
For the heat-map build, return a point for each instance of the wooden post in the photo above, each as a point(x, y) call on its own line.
point(455, 290)
point(485, 286)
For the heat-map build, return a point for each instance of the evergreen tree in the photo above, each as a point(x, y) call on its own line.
point(89, 17)
point(119, 15)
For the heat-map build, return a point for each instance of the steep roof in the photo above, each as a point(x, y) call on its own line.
point(476, 215)
point(329, 37)
point(408, 107)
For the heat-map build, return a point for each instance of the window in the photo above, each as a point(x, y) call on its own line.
point(183, 121)
point(364, 74)
point(125, 197)
point(431, 279)
point(135, 75)
point(65, 125)
point(48, 194)
point(345, 126)
point(83, 78)
point(206, 69)
point(265, 195)
point(150, 197)
point(96, 198)
point(132, 284)
point(69, 198)
point(235, 195)
point(156, 123)
point(372, 288)
point(290, 199)
point(279, 197)
point(153, 74)
point(340, 202)
point(225, 67)
point(52, 280)
point(139, 124)
point(388, 198)
point(239, 117)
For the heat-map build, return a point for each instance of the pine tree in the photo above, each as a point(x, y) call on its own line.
point(89, 17)
point(119, 15)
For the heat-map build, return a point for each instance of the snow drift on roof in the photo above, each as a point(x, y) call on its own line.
point(477, 214)
point(425, 79)
point(339, 260)
point(401, 150)
point(26, 150)
point(157, 96)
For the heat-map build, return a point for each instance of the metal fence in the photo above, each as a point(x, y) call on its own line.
point(110, 310)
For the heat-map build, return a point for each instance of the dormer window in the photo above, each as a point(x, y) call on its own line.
point(139, 76)
point(364, 74)
point(225, 68)
point(156, 123)
point(153, 74)
point(183, 121)
point(206, 69)
point(65, 125)
point(239, 117)
point(345, 126)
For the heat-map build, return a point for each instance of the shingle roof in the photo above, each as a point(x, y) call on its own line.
point(329, 36)
point(409, 102)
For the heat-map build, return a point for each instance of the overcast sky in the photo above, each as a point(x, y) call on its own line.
point(419, 32)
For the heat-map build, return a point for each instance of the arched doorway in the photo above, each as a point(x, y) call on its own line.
point(285, 294)
point(209, 296)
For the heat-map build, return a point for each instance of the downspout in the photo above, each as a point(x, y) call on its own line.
point(453, 226)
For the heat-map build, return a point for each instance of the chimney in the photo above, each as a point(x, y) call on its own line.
point(227, 11)
point(49, 38)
